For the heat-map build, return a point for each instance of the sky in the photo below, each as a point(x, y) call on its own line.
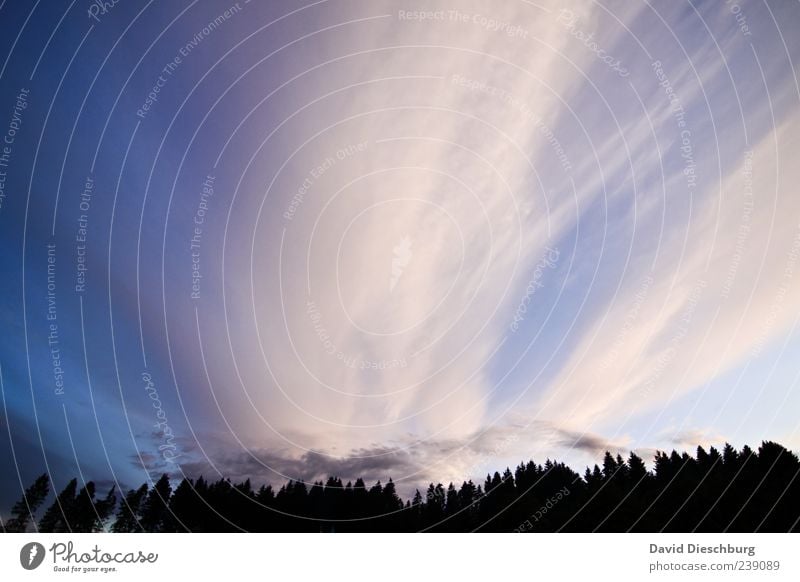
point(418, 241)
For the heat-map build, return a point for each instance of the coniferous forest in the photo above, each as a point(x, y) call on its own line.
point(713, 491)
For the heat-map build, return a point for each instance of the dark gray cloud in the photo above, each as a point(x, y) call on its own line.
point(585, 442)
point(412, 463)
point(375, 463)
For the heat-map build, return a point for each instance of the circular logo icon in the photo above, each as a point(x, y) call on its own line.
point(31, 555)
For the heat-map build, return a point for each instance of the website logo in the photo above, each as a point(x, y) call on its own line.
point(402, 256)
point(31, 555)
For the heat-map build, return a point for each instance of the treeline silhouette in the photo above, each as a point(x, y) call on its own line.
point(738, 491)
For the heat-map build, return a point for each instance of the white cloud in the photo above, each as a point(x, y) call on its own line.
point(709, 308)
point(458, 186)
point(460, 169)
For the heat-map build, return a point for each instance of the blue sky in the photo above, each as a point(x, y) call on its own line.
point(426, 247)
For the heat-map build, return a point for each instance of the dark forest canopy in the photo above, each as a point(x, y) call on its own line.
point(742, 491)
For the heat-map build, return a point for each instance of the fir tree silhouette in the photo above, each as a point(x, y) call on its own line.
point(56, 518)
point(712, 491)
point(129, 513)
point(25, 509)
